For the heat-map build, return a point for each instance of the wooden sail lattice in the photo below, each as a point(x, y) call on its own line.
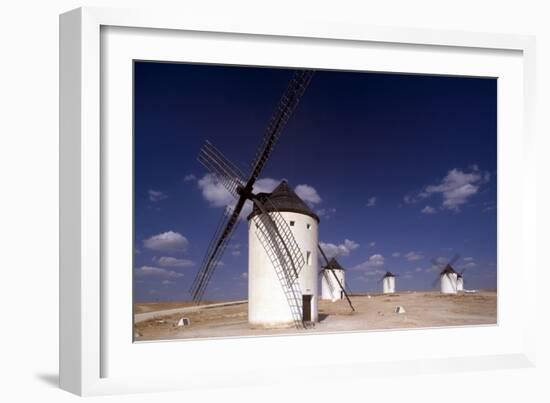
point(274, 233)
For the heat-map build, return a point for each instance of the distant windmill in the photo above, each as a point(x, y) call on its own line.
point(448, 277)
point(460, 280)
point(281, 251)
point(333, 282)
point(388, 282)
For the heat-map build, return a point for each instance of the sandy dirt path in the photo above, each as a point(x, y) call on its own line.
point(144, 316)
point(423, 309)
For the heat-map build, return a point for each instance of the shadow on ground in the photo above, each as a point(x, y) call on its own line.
point(49, 379)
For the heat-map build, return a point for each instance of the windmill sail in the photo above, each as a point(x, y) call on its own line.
point(279, 119)
point(328, 267)
point(227, 226)
point(228, 174)
point(231, 177)
point(279, 244)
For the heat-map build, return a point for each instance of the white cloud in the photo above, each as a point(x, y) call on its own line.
point(369, 276)
point(414, 198)
point(373, 262)
point(428, 210)
point(458, 186)
point(343, 249)
point(396, 254)
point(214, 192)
point(244, 275)
point(372, 244)
point(266, 185)
point(455, 188)
point(235, 249)
point(217, 195)
point(167, 242)
point(371, 202)
point(413, 256)
point(418, 269)
point(326, 212)
point(432, 269)
point(150, 271)
point(469, 263)
point(308, 194)
point(189, 178)
point(174, 262)
point(168, 282)
point(155, 195)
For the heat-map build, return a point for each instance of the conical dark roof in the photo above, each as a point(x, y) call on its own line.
point(389, 274)
point(448, 270)
point(333, 265)
point(284, 199)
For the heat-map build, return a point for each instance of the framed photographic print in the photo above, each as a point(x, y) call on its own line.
point(318, 184)
point(329, 247)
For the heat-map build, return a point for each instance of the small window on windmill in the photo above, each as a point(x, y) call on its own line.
point(292, 223)
point(308, 258)
point(308, 226)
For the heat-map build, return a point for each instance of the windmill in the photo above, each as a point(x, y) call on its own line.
point(460, 280)
point(270, 227)
point(448, 277)
point(333, 281)
point(388, 282)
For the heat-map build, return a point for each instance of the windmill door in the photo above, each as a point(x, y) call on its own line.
point(306, 303)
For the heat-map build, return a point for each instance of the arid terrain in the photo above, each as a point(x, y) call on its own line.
point(158, 320)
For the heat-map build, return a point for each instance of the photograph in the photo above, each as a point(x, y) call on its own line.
point(298, 201)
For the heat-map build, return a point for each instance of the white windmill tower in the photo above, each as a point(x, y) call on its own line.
point(283, 276)
point(448, 277)
point(460, 281)
point(268, 302)
point(388, 283)
point(333, 281)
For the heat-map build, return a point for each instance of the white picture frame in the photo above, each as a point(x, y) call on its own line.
point(85, 343)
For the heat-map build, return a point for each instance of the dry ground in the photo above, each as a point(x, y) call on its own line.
point(161, 306)
point(423, 309)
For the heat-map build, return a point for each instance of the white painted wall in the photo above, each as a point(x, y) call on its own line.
point(267, 304)
point(460, 284)
point(448, 283)
point(330, 289)
point(388, 285)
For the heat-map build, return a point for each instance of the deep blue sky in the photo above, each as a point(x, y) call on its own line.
point(404, 167)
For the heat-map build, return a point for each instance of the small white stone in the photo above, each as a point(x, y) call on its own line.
point(184, 322)
point(399, 309)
